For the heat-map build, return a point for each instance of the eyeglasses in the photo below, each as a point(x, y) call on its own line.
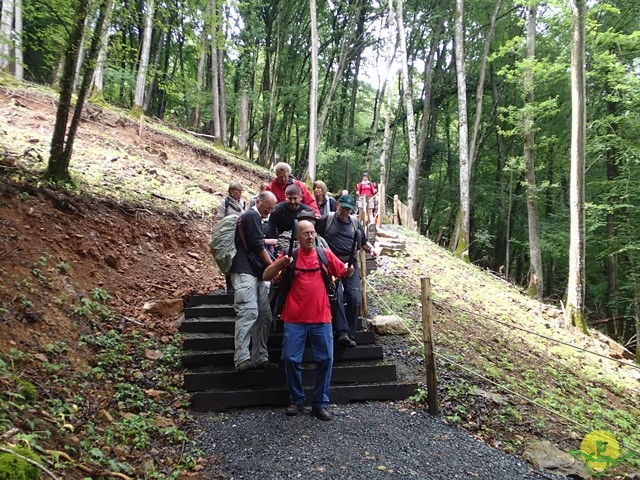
point(308, 234)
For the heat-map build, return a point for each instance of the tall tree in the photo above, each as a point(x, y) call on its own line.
point(17, 22)
point(145, 50)
point(61, 150)
point(313, 97)
point(411, 129)
point(536, 284)
point(386, 87)
point(98, 75)
point(460, 240)
point(6, 35)
point(576, 286)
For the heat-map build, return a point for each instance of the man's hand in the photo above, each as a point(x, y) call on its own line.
point(348, 271)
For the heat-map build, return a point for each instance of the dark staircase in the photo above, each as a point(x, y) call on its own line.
point(358, 373)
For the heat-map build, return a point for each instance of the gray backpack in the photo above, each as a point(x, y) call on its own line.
point(223, 244)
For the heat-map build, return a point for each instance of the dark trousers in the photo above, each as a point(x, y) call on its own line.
point(348, 304)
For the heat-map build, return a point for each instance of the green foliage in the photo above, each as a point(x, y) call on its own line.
point(14, 467)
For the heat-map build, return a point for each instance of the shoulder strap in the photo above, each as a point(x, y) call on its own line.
point(354, 222)
point(330, 218)
point(323, 263)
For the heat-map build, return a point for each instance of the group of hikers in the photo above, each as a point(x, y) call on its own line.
point(268, 269)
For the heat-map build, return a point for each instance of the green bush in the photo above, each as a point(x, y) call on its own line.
point(13, 467)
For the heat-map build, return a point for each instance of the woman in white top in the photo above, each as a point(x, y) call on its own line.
point(233, 204)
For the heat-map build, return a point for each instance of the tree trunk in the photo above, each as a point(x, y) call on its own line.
point(576, 286)
point(412, 188)
point(460, 240)
point(98, 75)
point(151, 85)
point(6, 35)
point(17, 22)
point(611, 305)
point(200, 83)
point(145, 50)
point(473, 144)
point(243, 120)
point(536, 283)
point(81, 53)
point(58, 166)
point(382, 187)
point(223, 97)
point(313, 100)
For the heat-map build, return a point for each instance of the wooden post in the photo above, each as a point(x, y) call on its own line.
point(396, 219)
point(429, 355)
point(362, 262)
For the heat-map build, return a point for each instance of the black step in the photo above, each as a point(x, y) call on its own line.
point(208, 325)
point(227, 378)
point(219, 401)
point(210, 310)
point(225, 357)
point(212, 299)
point(216, 339)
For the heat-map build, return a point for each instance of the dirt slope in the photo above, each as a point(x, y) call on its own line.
point(138, 253)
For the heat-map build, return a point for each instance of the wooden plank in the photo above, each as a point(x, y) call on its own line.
point(208, 324)
point(225, 357)
point(212, 299)
point(220, 401)
point(219, 339)
point(226, 379)
point(221, 310)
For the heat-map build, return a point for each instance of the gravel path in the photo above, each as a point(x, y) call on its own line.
point(364, 441)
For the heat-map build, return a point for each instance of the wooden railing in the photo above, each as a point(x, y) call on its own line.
point(402, 215)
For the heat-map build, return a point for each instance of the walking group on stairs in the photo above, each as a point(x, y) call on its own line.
point(322, 226)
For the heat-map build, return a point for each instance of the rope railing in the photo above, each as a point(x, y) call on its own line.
point(504, 388)
point(516, 327)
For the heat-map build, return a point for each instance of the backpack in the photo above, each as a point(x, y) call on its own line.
point(223, 245)
point(279, 291)
point(354, 221)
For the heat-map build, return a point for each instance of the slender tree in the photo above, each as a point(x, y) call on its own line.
point(536, 284)
point(61, 150)
point(411, 129)
point(576, 286)
point(98, 75)
point(313, 97)
point(460, 240)
point(145, 50)
point(6, 35)
point(17, 22)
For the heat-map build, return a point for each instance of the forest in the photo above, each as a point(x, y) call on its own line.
point(508, 128)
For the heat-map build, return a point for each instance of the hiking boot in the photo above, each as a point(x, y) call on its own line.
point(294, 409)
point(345, 341)
point(243, 366)
point(267, 365)
point(321, 413)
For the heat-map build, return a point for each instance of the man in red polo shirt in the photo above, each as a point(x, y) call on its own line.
point(307, 313)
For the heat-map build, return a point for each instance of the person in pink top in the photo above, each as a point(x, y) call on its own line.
point(283, 179)
point(307, 313)
point(366, 190)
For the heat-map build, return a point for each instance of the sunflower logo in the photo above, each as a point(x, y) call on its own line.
point(600, 452)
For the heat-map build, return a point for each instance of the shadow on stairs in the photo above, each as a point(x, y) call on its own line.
point(359, 373)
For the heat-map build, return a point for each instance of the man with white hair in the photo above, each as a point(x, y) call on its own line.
point(278, 186)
